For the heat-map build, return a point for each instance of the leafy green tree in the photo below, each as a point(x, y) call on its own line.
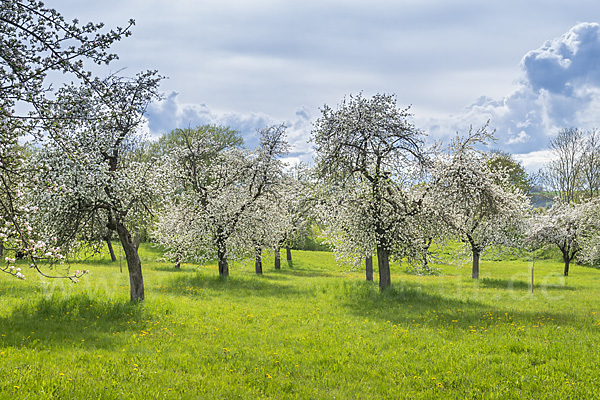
point(215, 138)
point(505, 164)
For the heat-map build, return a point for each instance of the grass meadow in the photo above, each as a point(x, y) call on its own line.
point(308, 331)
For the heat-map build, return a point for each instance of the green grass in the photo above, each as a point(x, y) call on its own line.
point(309, 331)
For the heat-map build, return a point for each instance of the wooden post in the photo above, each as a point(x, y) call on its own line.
point(532, 265)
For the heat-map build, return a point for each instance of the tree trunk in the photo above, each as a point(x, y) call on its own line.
point(426, 246)
point(258, 260)
point(383, 262)
point(476, 254)
point(369, 268)
point(567, 261)
point(288, 251)
point(1, 249)
point(278, 257)
point(108, 241)
point(222, 253)
point(223, 264)
point(134, 264)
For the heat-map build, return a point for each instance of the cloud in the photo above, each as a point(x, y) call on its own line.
point(535, 160)
point(563, 64)
point(169, 114)
point(522, 137)
point(559, 87)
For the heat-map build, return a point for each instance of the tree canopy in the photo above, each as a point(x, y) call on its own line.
point(37, 47)
point(370, 143)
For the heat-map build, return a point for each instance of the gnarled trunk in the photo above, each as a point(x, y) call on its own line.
point(288, 252)
point(223, 264)
point(107, 239)
point(134, 264)
point(383, 262)
point(567, 260)
point(369, 268)
point(426, 246)
point(258, 260)
point(476, 253)
point(222, 254)
point(278, 257)
point(476, 250)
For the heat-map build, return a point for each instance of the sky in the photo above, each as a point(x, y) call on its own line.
point(529, 67)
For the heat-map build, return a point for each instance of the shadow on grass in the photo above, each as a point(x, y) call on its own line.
point(72, 320)
point(269, 285)
point(509, 284)
point(309, 273)
point(409, 305)
point(10, 289)
point(170, 267)
point(512, 284)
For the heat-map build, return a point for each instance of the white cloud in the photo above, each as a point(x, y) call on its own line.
point(522, 137)
point(250, 64)
point(534, 160)
point(560, 88)
point(563, 64)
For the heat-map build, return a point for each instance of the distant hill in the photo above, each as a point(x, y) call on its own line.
point(540, 198)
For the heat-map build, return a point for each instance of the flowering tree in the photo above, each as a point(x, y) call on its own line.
point(560, 226)
point(294, 200)
point(348, 228)
point(218, 189)
point(478, 204)
point(35, 44)
point(260, 228)
point(281, 216)
point(90, 159)
point(371, 143)
point(588, 232)
point(193, 150)
point(427, 228)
